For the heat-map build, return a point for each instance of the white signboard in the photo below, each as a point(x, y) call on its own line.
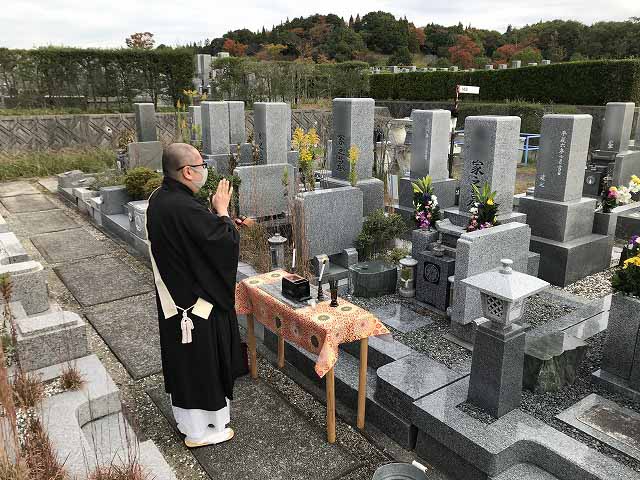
point(469, 89)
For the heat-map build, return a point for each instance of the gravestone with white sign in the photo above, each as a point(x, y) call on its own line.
point(561, 220)
point(616, 131)
point(203, 71)
point(353, 126)
point(429, 157)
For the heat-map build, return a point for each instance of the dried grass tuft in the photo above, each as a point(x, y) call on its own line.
point(131, 471)
point(39, 454)
point(71, 378)
point(28, 390)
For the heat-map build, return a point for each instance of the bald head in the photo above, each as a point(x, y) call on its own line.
point(178, 155)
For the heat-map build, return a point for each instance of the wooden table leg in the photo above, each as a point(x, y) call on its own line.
point(362, 385)
point(280, 350)
point(251, 340)
point(331, 406)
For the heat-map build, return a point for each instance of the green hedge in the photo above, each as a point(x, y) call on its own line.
point(574, 83)
point(72, 77)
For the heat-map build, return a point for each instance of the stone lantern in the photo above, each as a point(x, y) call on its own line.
point(495, 384)
point(276, 250)
point(408, 267)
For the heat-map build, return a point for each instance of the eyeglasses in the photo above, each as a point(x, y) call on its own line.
point(192, 166)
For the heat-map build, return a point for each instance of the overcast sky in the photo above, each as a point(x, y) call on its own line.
point(106, 23)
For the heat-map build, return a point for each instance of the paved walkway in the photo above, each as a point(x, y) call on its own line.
point(280, 426)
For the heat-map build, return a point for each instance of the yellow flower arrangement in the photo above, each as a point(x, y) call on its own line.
point(308, 146)
point(632, 261)
point(490, 201)
point(354, 154)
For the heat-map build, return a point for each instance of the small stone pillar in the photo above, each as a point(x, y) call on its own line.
point(276, 250)
point(495, 384)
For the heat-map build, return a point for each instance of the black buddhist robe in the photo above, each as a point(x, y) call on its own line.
point(196, 253)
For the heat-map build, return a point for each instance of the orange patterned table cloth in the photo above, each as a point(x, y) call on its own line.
point(318, 330)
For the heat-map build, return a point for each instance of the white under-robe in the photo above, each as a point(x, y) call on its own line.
point(193, 422)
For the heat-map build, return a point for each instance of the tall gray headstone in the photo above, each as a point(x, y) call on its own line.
point(516, 63)
point(237, 132)
point(430, 143)
point(195, 120)
point(616, 131)
point(352, 125)
point(490, 155)
point(203, 66)
point(215, 128)
point(145, 122)
point(564, 145)
point(272, 131)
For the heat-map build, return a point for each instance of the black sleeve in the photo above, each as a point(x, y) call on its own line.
point(215, 262)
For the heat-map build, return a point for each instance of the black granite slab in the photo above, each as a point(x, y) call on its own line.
point(28, 203)
point(130, 328)
point(67, 245)
point(37, 223)
point(380, 352)
point(100, 280)
point(272, 440)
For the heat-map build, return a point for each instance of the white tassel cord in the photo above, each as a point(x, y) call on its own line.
point(186, 325)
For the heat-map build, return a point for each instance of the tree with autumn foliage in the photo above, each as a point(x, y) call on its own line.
point(235, 49)
point(143, 40)
point(464, 52)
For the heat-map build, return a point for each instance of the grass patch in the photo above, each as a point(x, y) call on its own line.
point(71, 378)
point(46, 163)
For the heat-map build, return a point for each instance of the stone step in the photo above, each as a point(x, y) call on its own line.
point(380, 352)
point(346, 385)
point(525, 471)
point(114, 442)
point(403, 382)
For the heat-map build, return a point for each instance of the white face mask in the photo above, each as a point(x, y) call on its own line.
point(204, 173)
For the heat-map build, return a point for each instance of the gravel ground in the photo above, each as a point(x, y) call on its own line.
point(594, 286)
point(540, 309)
point(545, 406)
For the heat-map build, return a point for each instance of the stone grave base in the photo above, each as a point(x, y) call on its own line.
point(626, 164)
point(560, 221)
point(628, 224)
point(220, 162)
point(465, 447)
point(460, 218)
point(613, 383)
point(562, 263)
point(372, 191)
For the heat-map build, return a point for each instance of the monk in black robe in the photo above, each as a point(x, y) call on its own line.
point(195, 258)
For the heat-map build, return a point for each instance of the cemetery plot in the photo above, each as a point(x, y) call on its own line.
point(130, 328)
point(28, 203)
point(37, 223)
point(68, 245)
point(295, 446)
point(101, 280)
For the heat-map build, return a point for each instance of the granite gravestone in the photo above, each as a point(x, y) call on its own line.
point(616, 131)
point(145, 122)
point(237, 133)
point(261, 192)
point(353, 123)
point(561, 221)
point(562, 158)
point(215, 128)
point(430, 144)
point(490, 155)
point(272, 131)
point(332, 220)
point(144, 154)
point(429, 156)
point(203, 66)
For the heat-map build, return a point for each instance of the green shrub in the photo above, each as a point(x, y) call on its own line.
point(135, 180)
point(46, 163)
point(151, 185)
point(378, 230)
point(574, 83)
point(109, 178)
